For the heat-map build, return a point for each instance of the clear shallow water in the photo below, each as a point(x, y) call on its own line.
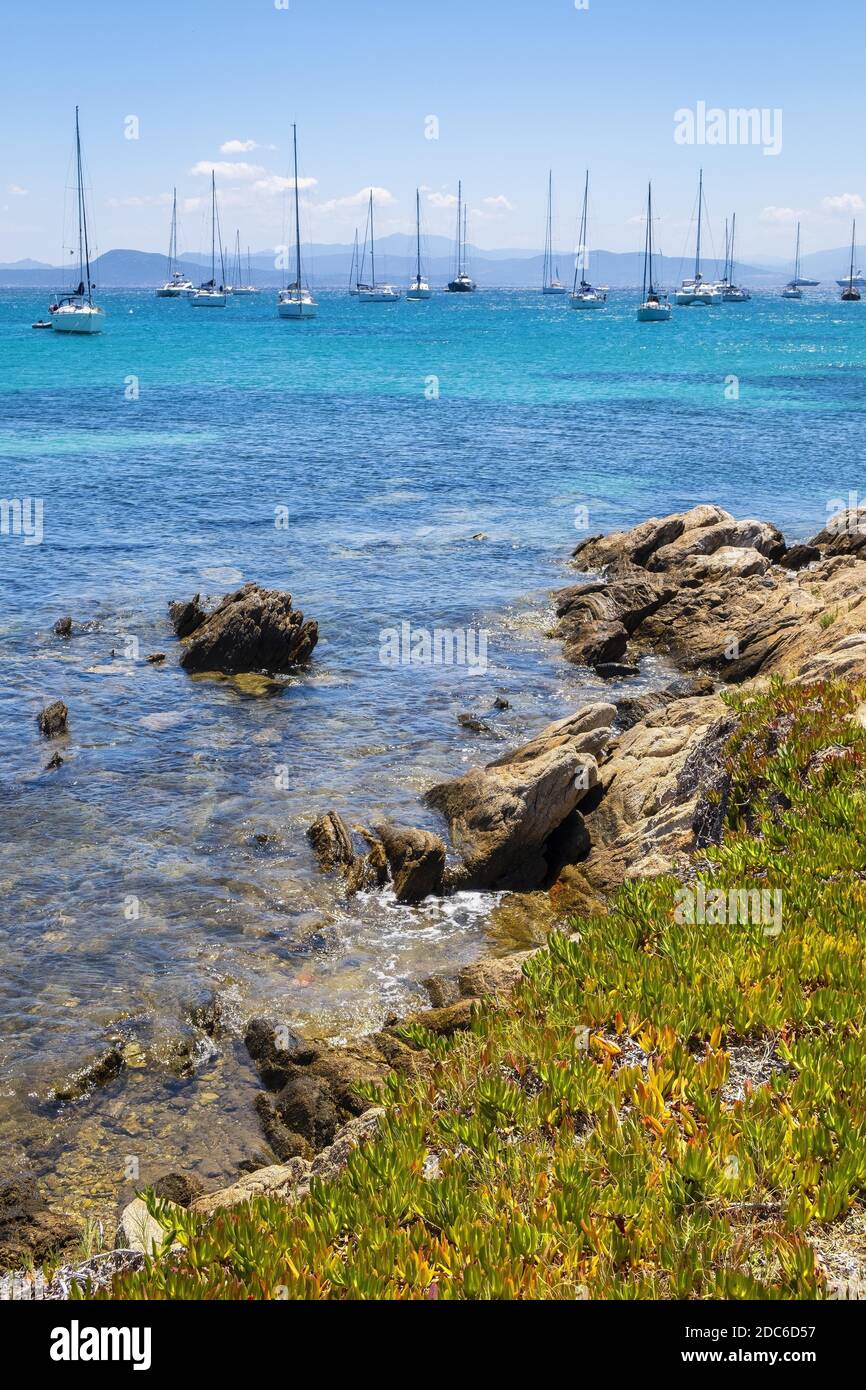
point(168, 781)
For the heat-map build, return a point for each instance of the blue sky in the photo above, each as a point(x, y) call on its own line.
point(516, 86)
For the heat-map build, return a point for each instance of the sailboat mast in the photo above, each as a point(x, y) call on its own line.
point(372, 241)
point(418, 235)
point(459, 226)
point(700, 211)
point(548, 231)
point(83, 245)
point(853, 239)
point(212, 228)
point(583, 230)
point(297, 213)
point(733, 236)
point(646, 243)
point(465, 218)
point(172, 241)
point(797, 257)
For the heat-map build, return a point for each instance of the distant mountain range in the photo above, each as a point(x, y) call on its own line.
point(329, 265)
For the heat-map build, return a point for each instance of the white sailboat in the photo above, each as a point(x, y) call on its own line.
point(238, 285)
point(176, 283)
point(75, 312)
point(296, 302)
point(550, 281)
point(653, 307)
point(210, 295)
point(851, 293)
point(696, 290)
point(792, 289)
point(462, 282)
point(419, 287)
point(583, 295)
point(373, 293)
point(732, 293)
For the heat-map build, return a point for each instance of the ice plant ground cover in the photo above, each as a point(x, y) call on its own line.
point(604, 1132)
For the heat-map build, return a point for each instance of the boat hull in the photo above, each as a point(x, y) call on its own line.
point(587, 301)
point(419, 292)
point(296, 309)
point(654, 313)
point(382, 296)
point(554, 289)
point(171, 293)
point(207, 301)
point(78, 320)
point(792, 292)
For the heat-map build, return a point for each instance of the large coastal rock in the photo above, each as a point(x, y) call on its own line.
point(503, 818)
point(253, 629)
point(714, 594)
point(416, 861)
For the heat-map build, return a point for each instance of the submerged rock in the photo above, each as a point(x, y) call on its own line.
point(331, 839)
point(180, 1188)
point(416, 860)
point(63, 627)
point(253, 629)
point(187, 617)
point(54, 720)
point(30, 1232)
point(99, 1072)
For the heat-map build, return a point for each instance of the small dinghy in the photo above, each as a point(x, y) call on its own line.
point(42, 323)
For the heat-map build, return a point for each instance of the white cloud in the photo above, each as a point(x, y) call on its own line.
point(500, 203)
point(442, 200)
point(228, 169)
point(774, 214)
point(381, 196)
point(275, 183)
point(843, 202)
point(145, 200)
point(238, 146)
point(16, 190)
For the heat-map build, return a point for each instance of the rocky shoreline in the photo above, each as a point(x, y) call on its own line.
point(612, 792)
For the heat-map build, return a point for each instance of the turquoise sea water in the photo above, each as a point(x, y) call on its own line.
point(390, 437)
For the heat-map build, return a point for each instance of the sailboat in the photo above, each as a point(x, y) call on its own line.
point(696, 290)
point(176, 283)
point(792, 289)
point(550, 281)
point(296, 302)
point(75, 312)
point(419, 287)
point(237, 285)
point(851, 294)
point(653, 307)
point(731, 292)
point(210, 295)
point(583, 296)
point(373, 293)
point(353, 268)
point(462, 282)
